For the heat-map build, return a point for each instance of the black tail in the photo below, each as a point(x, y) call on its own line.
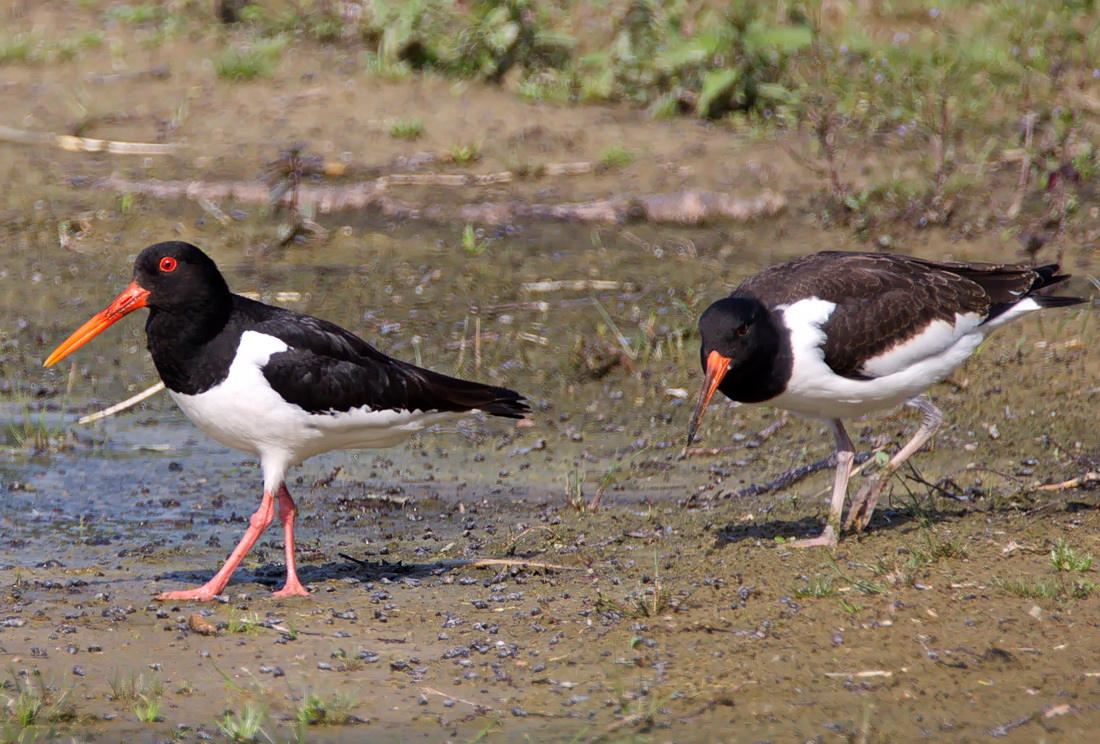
point(1048, 276)
point(1050, 301)
point(455, 394)
point(1006, 287)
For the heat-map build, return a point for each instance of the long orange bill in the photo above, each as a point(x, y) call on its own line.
point(132, 298)
point(717, 366)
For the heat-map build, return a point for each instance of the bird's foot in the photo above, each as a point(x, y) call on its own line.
point(293, 588)
point(201, 594)
point(828, 538)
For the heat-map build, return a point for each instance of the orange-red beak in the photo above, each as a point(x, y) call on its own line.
point(717, 366)
point(132, 298)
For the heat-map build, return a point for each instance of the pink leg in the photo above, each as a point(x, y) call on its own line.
point(845, 454)
point(865, 500)
point(293, 587)
point(259, 522)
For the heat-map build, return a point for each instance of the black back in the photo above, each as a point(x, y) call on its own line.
point(195, 326)
point(328, 369)
point(882, 298)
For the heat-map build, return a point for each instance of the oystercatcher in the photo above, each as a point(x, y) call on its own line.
point(277, 384)
point(836, 335)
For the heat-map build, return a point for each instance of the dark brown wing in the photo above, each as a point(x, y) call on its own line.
point(884, 299)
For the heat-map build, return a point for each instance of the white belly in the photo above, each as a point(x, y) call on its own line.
point(245, 413)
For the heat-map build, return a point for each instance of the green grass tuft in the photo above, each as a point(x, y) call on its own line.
point(317, 711)
point(257, 60)
point(33, 702)
point(465, 154)
point(816, 588)
point(147, 708)
point(246, 726)
point(616, 156)
point(238, 623)
point(407, 129)
point(1064, 557)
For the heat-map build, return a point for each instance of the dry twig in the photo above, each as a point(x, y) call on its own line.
point(72, 143)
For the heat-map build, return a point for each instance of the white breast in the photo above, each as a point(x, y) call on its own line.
point(245, 413)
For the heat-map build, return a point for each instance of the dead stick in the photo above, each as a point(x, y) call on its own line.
point(482, 563)
point(433, 691)
point(794, 475)
point(1025, 167)
point(1091, 477)
point(631, 720)
point(121, 406)
point(690, 207)
point(84, 144)
point(486, 562)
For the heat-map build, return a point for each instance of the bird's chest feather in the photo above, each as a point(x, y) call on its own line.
point(242, 410)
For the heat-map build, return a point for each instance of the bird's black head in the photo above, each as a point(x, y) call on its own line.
point(178, 277)
point(174, 277)
point(730, 327)
point(734, 332)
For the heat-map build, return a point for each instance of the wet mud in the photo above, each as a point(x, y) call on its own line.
point(670, 614)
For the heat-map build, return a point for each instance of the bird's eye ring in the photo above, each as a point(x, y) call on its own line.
point(168, 264)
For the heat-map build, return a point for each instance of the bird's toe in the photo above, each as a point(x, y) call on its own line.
point(291, 590)
point(202, 594)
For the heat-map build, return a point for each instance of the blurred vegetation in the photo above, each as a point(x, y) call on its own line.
point(960, 84)
point(878, 63)
point(882, 66)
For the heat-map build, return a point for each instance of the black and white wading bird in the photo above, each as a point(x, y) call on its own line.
point(837, 335)
point(275, 383)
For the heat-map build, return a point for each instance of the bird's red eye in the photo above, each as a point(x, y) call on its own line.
point(168, 264)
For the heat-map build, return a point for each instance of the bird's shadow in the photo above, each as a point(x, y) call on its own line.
point(274, 574)
point(794, 529)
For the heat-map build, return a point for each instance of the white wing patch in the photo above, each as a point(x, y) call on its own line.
point(934, 340)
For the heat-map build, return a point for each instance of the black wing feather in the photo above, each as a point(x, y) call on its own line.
point(883, 298)
point(328, 369)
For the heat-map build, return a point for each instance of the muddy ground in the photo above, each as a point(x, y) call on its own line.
point(671, 614)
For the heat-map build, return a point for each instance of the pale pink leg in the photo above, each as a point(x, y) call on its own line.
point(259, 522)
point(865, 500)
point(845, 454)
point(293, 587)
